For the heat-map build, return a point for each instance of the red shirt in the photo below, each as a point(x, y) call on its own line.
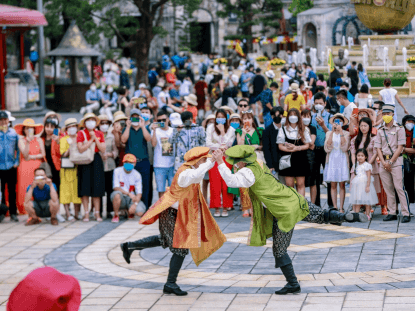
point(81, 137)
point(408, 135)
point(193, 110)
point(200, 87)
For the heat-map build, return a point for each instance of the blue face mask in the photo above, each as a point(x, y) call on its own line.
point(146, 116)
point(161, 124)
point(227, 116)
point(128, 167)
point(235, 125)
point(220, 120)
point(142, 105)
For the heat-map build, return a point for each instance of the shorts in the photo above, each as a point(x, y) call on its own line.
point(163, 175)
point(126, 202)
point(42, 208)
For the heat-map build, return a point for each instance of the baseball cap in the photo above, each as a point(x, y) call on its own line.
point(129, 158)
point(176, 119)
point(3, 114)
point(142, 86)
point(178, 82)
point(135, 111)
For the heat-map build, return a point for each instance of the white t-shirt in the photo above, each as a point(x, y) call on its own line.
point(128, 182)
point(163, 95)
point(185, 88)
point(348, 110)
point(163, 152)
point(388, 96)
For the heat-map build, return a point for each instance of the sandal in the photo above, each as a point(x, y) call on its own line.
point(225, 213)
point(217, 214)
point(86, 218)
point(246, 214)
point(99, 219)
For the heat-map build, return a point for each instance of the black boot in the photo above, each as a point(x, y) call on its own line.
point(171, 287)
point(334, 217)
point(292, 287)
point(128, 247)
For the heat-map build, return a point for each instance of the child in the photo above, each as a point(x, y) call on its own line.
point(362, 190)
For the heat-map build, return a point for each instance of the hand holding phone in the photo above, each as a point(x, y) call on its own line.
point(56, 132)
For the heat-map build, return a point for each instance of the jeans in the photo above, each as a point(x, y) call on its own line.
point(163, 175)
point(267, 119)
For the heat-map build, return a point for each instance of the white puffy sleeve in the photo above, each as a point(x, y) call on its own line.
point(244, 178)
point(209, 135)
point(307, 135)
point(195, 175)
point(280, 137)
point(368, 167)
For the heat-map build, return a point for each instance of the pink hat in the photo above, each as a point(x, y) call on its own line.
point(46, 289)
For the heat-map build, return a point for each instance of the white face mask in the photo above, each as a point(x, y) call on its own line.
point(93, 88)
point(409, 126)
point(110, 90)
point(104, 127)
point(306, 121)
point(283, 121)
point(319, 107)
point(72, 131)
point(90, 125)
point(293, 119)
point(135, 123)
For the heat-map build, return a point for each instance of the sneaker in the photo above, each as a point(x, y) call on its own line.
point(115, 219)
point(82, 111)
point(14, 218)
point(2, 217)
point(71, 218)
point(60, 218)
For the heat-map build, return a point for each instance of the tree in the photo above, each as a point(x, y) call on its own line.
point(298, 6)
point(250, 13)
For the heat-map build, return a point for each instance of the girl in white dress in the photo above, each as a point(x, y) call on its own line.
point(362, 189)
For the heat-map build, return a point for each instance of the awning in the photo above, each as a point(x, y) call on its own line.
point(11, 16)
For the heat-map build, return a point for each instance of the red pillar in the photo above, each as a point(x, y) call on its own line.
point(22, 49)
point(2, 71)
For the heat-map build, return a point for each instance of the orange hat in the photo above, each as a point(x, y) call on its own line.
point(129, 158)
point(28, 123)
point(195, 154)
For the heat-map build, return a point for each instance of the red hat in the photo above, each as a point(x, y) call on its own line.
point(46, 289)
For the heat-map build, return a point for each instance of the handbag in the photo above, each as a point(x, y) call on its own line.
point(285, 161)
point(67, 163)
point(83, 158)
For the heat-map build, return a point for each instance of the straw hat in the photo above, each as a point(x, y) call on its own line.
point(118, 113)
point(50, 114)
point(340, 116)
point(120, 117)
point(235, 115)
point(294, 87)
point(28, 123)
point(104, 117)
point(89, 115)
point(210, 117)
point(195, 154)
point(226, 108)
point(191, 99)
point(70, 122)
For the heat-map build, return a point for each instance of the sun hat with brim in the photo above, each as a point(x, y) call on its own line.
point(270, 74)
point(388, 108)
point(46, 289)
point(235, 115)
point(87, 116)
point(50, 114)
point(191, 99)
point(28, 123)
point(104, 117)
point(226, 108)
point(70, 122)
point(340, 116)
point(118, 113)
point(370, 112)
point(120, 117)
point(241, 153)
point(195, 154)
point(129, 158)
point(294, 87)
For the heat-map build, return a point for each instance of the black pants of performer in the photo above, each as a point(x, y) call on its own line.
point(108, 191)
point(282, 240)
point(150, 191)
point(320, 159)
point(9, 178)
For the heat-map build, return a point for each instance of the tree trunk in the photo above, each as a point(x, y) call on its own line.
point(142, 50)
point(248, 32)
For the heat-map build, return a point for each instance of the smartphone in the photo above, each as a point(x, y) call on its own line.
point(137, 100)
point(56, 132)
point(355, 112)
point(157, 124)
point(135, 119)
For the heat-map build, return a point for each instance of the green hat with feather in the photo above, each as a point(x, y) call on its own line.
point(240, 153)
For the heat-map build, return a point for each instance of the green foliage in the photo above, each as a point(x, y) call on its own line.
point(397, 78)
point(298, 6)
point(252, 12)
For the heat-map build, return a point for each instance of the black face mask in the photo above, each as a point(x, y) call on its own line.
point(277, 120)
point(188, 123)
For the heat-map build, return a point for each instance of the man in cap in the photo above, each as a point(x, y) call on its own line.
point(195, 228)
point(390, 143)
point(284, 207)
point(9, 161)
point(140, 92)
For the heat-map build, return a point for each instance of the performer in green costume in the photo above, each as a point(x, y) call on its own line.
point(276, 207)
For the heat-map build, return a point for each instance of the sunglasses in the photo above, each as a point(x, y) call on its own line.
point(243, 106)
point(161, 120)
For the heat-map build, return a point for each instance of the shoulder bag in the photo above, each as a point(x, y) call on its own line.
point(285, 161)
point(83, 158)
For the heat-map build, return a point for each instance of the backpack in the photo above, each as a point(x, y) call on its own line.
point(204, 69)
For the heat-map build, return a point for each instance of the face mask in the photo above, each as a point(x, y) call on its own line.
point(188, 123)
point(293, 119)
point(110, 90)
point(93, 88)
point(387, 119)
point(72, 131)
point(137, 124)
point(318, 107)
point(90, 125)
point(220, 120)
point(128, 167)
point(409, 126)
point(146, 116)
point(4, 128)
point(277, 120)
point(104, 128)
point(235, 125)
point(227, 116)
point(306, 121)
point(283, 121)
point(142, 105)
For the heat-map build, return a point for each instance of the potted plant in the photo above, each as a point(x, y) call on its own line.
point(277, 63)
point(411, 61)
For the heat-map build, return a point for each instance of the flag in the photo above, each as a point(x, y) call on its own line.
point(239, 50)
point(331, 62)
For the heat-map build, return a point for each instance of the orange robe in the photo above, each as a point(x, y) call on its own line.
point(195, 227)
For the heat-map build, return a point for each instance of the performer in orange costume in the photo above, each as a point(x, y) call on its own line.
point(185, 221)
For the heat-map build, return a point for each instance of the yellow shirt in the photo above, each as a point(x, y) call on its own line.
point(291, 103)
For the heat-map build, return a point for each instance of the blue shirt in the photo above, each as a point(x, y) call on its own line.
point(244, 85)
point(174, 93)
point(138, 94)
point(41, 194)
point(136, 144)
point(265, 97)
point(94, 96)
point(152, 76)
point(112, 98)
point(9, 150)
point(321, 135)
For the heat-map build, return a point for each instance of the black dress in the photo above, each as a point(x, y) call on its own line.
point(55, 173)
point(91, 178)
point(299, 161)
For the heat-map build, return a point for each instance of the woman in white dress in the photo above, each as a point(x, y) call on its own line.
point(363, 99)
point(336, 146)
point(388, 96)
